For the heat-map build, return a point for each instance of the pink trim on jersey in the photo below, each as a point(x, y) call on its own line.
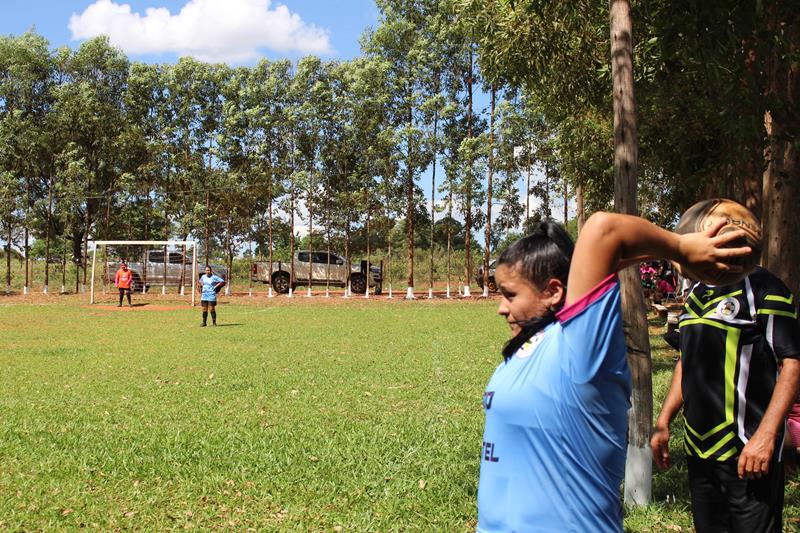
point(570, 311)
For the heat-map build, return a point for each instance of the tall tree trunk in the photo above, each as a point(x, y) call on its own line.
point(638, 467)
point(47, 232)
point(26, 237)
point(291, 237)
point(468, 195)
point(8, 258)
point(205, 224)
point(449, 237)
point(488, 237)
point(433, 198)
point(310, 200)
point(566, 202)
point(328, 245)
point(229, 255)
point(269, 230)
point(347, 256)
point(368, 273)
point(64, 264)
point(208, 202)
point(581, 215)
point(166, 251)
point(106, 236)
point(780, 223)
point(146, 237)
point(528, 197)
point(85, 254)
point(410, 212)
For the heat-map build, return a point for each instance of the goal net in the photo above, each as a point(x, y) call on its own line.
point(153, 264)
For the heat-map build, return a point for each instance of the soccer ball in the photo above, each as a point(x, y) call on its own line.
point(705, 214)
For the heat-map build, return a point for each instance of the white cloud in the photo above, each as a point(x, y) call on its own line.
point(209, 30)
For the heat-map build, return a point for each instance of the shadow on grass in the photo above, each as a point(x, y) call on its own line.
point(227, 325)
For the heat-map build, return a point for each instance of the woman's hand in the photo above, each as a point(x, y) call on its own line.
point(704, 254)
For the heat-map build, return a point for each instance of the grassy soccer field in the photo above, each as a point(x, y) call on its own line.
point(304, 415)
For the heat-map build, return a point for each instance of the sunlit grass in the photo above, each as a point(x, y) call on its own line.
point(302, 416)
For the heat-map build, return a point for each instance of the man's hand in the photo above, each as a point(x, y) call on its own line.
point(659, 446)
point(756, 456)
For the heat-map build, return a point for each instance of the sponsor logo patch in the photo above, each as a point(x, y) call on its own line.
point(728, 308)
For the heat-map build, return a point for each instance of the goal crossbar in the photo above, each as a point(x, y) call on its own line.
point(188, 244)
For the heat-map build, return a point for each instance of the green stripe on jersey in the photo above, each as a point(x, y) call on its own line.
point(790, 314)
point(776, 298)
point(715, 300)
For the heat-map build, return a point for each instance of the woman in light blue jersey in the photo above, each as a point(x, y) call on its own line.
point(555, 438)
point(209, 285)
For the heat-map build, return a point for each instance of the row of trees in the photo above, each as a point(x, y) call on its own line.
point(716, 93)
point(95, 147)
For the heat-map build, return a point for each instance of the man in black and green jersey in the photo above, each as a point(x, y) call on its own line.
point(736, 380)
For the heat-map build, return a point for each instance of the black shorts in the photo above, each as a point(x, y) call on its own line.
point(206, 303)
point(721, 502)
point(123, 290)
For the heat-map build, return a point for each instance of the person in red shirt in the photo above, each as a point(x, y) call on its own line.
point(124, 281)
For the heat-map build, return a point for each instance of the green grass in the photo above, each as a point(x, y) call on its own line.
point(295, 416)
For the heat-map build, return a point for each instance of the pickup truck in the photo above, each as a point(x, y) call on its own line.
point(155, 270)
point(324, 269)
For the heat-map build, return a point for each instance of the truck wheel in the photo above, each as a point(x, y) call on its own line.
point(492, 285)
point(378, 289)
point(280, 282)
point(358, 284)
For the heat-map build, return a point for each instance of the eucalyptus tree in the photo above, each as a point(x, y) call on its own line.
point(26, 76)
point(239, 175)
point(510, 154)
point(400, 41)
point(265, 102)
point(312, 91)
point(92, 101)
point(371, 139)
point(146, 149)
point(185, 136)
point(11, 191)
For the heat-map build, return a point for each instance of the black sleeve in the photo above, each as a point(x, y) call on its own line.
point(776, 310)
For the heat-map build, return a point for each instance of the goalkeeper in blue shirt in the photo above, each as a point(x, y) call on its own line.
point(209, 285)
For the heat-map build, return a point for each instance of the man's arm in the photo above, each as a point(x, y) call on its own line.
point(757, 453)
point(659, 442)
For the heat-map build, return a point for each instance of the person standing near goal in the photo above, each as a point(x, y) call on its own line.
point(124, 281)
point(209, 285)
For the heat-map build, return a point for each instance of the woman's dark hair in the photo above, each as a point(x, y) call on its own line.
point(541, 256)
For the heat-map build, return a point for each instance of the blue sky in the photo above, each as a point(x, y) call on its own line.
point(234, 31)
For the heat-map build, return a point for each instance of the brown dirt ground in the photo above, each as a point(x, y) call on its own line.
point(170, 302)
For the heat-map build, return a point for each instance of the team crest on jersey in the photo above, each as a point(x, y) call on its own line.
point(728, 308)
point(526, 350)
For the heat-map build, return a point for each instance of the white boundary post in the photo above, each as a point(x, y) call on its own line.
point(194, 272)
point(94, 260)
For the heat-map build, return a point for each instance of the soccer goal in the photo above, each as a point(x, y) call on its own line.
point(157, 266)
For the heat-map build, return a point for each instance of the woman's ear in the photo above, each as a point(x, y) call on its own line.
point(555, 292)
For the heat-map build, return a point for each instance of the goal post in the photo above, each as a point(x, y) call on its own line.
point(186, 244)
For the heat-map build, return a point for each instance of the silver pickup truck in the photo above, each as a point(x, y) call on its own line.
point(322, 268)
point(156, 275)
